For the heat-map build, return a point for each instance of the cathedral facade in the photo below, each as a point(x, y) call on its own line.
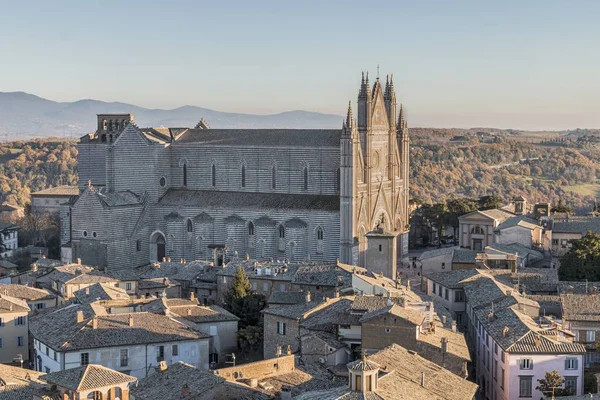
point(294, 194)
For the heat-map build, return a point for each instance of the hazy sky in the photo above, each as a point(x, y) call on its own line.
point(521, 64)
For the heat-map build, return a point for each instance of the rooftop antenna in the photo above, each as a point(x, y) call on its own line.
point(377, 71)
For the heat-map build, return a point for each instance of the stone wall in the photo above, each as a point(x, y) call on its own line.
point(259, 369)
point(271, 338)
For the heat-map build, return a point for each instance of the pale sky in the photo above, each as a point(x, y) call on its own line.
point(507, 64)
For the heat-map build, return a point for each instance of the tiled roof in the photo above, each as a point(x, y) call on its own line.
point(437, 252)
point(10, 304)
point(294, 311)
point(516, 332)
point(169, 385)
point(581, 307)
point(213, 199)
point(88, 377)
point(452, 279)
point(363, 365)
point(176, 270)
point(578, 225)
point(58, 191)
point(25, 292)
point(578, 287)
point(521, 220)
point(59, 330)
point(336, 312)
point(7, 225)
point(402, 378)
point(323, 274)
point(277, 270)
point(463, 256)
point(365, 304)
point(414, 316)
point(203, 314)
point(514, 248)
point(117, 199)
point(263, 137)
point(100, 291)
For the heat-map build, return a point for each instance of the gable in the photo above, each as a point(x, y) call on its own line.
point(131, 136)
point(379, 117)
point(476, 216)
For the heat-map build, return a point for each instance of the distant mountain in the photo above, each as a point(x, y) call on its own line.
point(24, 115)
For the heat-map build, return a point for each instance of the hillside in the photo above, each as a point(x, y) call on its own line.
point(24, 116)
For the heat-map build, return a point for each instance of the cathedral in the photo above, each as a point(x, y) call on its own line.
point(183, 193)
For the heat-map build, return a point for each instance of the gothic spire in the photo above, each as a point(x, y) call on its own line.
point(387, 92)
point(392, 83)
point(349, 116)
point(364, 86)
point(401, 121)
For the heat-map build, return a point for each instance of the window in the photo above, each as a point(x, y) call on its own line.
point(175, 350)
point(496, 348)
point(94, 234)
point(85, 233)
point(214, 175)
point(184, 174)
point(319, 240)
point(526, 363)
point(443, 265)
point(20, 320)
point(571, 363)
point(273, 177)
point(48, 351)
point(388, 330)
point(282, 287)
point(281, 328)
point(495, 372)
point(47, 370)
point(124, 357)
point(254, 286)
point(265, 287)
point(250, 229)
point(85, 358)
point(128, 286)
point(459, 296)
point(40, 306)
point(305, 178)
point(55, 356)
point(162, 181)
point(502, 356)
point(434, 287)
point(243, 176)
point(571, 383)
point(502, 378)
point(358, 383)
point(525, 386)
point(160, 353)
point(138, 245)
point(380, 248)
point(555, 242)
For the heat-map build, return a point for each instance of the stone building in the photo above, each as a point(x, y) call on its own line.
point(147, 194)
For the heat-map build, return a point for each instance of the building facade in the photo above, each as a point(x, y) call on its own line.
point(149, 194)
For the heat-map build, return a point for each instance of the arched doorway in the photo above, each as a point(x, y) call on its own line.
point(157, 247)
point(95, 395)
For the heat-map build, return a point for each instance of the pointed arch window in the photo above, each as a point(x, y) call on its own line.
point(189, 226)
point(305, 183)
point(250, 235)
point(185, 175)
point(243, 176)
point(319, 240)
point(273, 177)
point(214, 175)
point(281, 244)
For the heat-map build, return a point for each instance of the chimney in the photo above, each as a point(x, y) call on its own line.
point(78, 271)
point(94, 323)
point(307, 297)
point(509, 292)
point(130, 319)
point(189, 311)
point(192, 296)
point(185, 391)
point(444, 319)
point(165, 281)
point(337, 293)
point(453, 326)
point(162, 366)
point(79, 317)
point(87, 291)
point(286, 393)
point(79, 261)
point(538, 341)
point(505, 331)
point(164, 259)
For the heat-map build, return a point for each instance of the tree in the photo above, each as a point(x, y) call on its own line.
point(582, 261)
point(561, 208)
point(489, 202)
point(241, 286)
point(457, 208)
point(553, 382)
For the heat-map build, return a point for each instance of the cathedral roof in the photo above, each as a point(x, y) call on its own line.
point(245, 200)
point(263, 137)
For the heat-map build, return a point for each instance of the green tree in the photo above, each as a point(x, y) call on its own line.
point(457, 208)
point(490, 202)
point(561, 208)
point(582, 261)
point(436, 216)
point(553, 382)
point(241, 286)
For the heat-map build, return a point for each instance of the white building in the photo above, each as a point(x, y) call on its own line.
point(477, 228)
point(132, 343)
point(437, 260)
point(10, 239)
